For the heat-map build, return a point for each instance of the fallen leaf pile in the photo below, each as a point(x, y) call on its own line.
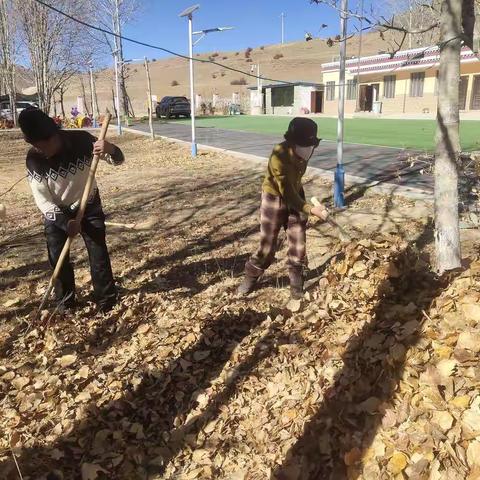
point(468, 182)
point(374, 375)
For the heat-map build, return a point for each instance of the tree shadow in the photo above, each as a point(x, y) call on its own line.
point(136, 427)
point(210, 240)
point(352, 408)
point(186, 276)
point(267, 346)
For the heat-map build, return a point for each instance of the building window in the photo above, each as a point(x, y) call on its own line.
point(416, 84)
point(330, 91)
point(351, 89)
point(282, 96)
point(389, 83)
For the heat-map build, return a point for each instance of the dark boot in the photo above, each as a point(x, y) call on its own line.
point(296, 282)
point(247, 286)
point(252, 274)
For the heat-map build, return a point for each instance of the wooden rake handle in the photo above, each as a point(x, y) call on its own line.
point(79, 216)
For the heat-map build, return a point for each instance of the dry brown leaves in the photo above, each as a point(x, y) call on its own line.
point(374, 375)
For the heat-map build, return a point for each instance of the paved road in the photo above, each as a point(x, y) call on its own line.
point(369, 163)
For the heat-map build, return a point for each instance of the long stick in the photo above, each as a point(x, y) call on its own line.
point(78, 218)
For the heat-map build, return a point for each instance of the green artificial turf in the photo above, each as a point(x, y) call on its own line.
point(413, 134)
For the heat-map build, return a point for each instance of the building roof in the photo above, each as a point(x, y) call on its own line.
point(415, 59)
point(20, 97)
point(289, 84)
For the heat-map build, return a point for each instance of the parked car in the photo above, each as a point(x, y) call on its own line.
point(5, 111)
point(173, 107)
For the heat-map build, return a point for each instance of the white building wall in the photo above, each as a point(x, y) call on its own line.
point(303, 99)
point(301, 102)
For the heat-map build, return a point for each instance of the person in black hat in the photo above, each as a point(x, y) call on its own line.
point(58, 165)
point(283, 205)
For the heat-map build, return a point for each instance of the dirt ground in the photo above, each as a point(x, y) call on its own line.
point(184, 380)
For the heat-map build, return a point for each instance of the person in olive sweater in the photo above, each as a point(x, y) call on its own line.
point(283, 204)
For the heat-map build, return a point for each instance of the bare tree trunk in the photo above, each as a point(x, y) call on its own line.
point(130, 110)
point(84, 95)
point(7, 60)
point(114, 104)
point(62, 106)
point(121, 66)
point(447, 231)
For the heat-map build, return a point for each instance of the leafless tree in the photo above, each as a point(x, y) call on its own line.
point(56, 49)
point(7, 58)
point(413, 15)
point(455, 21)
point(114, 15)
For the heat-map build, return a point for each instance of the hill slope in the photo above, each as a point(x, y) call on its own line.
point(294, 61)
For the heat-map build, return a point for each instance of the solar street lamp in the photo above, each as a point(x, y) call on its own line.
point(189, 14)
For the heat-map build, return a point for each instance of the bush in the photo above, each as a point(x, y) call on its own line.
point(223, 74)
point(240, 81)
point(174, 83)
point(249, 60)
point(215, 54)
point(154, 59)
point(224, 58)
point(277, 56)
point(262, 48)
point(214, 76)
point(237, 54)
point(248, 51)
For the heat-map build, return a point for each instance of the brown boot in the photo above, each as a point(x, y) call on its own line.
point(252, 274)
point(247, 286)
point(296, 282)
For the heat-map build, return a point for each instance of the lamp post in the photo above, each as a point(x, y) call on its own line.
point(189, 14)
point(202, 33)
point(339, 180)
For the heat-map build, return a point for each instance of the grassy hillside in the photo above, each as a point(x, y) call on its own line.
point(292, 61)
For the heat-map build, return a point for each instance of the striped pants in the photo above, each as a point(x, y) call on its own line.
point(274, 215)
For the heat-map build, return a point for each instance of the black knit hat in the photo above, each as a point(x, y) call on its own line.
point(36, 125)
point(302, 132)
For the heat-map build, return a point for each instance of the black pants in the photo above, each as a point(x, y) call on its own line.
point(93, 233)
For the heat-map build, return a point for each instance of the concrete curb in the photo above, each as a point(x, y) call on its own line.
point(376, 186)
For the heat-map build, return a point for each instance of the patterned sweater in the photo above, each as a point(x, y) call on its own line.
point(57, 182)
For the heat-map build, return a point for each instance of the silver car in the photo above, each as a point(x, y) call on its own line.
point(5, 111)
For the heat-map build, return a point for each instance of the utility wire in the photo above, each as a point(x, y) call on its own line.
point(156, 47)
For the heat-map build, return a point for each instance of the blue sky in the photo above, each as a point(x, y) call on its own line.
point(256, 22)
